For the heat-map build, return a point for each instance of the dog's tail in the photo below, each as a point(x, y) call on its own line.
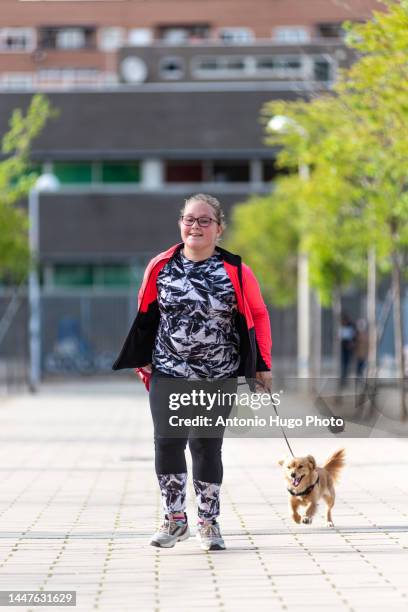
point(335, 463)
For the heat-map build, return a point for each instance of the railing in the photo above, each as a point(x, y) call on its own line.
point(53, 80)
point(13, 340)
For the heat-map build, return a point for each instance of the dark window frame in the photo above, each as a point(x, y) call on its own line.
point(47, 37)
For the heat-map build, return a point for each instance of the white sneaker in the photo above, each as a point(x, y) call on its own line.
point(209, 536)
point(170, 533)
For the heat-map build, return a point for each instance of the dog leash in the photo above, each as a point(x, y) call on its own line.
point(258, 382)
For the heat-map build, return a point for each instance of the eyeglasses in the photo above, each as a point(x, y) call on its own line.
point(189, 220)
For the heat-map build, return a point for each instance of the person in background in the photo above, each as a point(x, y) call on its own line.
point(347, 345)
point(361, 348)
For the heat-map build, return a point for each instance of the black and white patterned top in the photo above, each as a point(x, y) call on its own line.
point(197, 337)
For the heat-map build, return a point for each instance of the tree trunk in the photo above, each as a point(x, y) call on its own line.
point(371, 315)
point(336, 330)
point(303, 317)
point(398, 333)
point(316, 342)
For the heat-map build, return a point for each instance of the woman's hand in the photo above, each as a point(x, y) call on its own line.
point(265, 379)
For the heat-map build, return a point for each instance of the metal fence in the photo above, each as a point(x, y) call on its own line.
point(13, 340)
point(82, 331)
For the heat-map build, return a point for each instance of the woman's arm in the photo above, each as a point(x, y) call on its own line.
point(262, 324)
point(145, 372)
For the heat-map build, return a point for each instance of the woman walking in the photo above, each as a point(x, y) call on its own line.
point(201, 319)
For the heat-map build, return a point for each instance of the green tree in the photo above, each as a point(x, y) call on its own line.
point(355, 143)
point(16, 179)
point(320, 135)
point(376, 91)
point(264, 231)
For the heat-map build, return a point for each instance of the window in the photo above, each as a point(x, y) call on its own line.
point(236, 35)
point(17, 40)
point(32, 169)
point(120, 172)
point(322, 69)
point(71, 38)
point(171, 68)
point(291, 34)
point(230, 171)
point(111, 39)
point(330, 30)
point(68, 76)
point(140, 36)
point(279, 66)
point(183, 171)
point(91, 275)
point(273, 66)
point(112, 275)
point(198, 171)
point(17, 80)
point(57, 37)
point(208, 64)
point(234, 63)
point(269, 170)
point(108, 172)
point(66, 275)
point(220, 66)
point(179, 34)
point(73, 172)
point(175, 36)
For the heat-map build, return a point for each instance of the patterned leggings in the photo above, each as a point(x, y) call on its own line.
point(173, 492)
point(170, 460)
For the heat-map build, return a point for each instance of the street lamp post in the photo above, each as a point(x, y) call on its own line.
point(281, 124)
point(44, 183)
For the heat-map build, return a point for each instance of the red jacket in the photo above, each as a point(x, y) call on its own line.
point(252, 321)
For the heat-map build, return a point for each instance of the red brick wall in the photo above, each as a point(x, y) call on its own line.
point(259, 15)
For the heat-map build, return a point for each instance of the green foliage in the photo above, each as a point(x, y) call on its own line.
point(355, 143)
point(264, 232)
point(16, 180)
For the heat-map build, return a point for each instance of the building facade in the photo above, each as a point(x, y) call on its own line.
point(67, 43)
point(157, 100)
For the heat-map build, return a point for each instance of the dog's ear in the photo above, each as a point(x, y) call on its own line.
point(281, 461)
point(312, 461)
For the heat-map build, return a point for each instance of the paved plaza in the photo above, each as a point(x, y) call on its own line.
point(79, 500)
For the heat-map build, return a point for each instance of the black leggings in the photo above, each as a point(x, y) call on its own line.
point(205, 444)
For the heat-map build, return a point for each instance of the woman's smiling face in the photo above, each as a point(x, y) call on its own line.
point(195, 237)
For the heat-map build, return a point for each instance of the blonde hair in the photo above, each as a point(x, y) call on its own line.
point(211, 201)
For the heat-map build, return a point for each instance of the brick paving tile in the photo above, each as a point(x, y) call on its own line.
point(79, 501)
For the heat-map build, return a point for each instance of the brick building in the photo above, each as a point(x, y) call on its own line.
point(60, 43)
point(157, 100)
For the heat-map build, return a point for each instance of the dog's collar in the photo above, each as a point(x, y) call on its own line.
point(306, 491)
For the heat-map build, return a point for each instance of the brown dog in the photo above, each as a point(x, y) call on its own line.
point(308, 483)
